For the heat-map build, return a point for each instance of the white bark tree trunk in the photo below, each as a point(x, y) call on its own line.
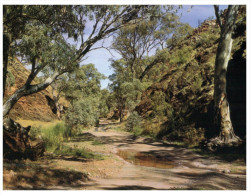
point(220, 95)
point(221, 107)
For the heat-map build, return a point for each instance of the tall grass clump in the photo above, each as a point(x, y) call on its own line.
point(53, 136)
point(77, 152)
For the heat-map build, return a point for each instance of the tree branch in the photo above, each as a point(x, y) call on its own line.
point(27, 90)
point(216, 9)
point(84, 48)
point(32, 74)
point(102, 47)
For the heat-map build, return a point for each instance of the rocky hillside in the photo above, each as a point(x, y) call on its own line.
point(187, 86)
point(38, 106)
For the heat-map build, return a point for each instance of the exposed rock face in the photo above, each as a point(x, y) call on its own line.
point(32, 107)
point(189, 91)
point(188, 88)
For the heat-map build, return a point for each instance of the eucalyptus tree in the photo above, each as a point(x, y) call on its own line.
point(139, 41)
point(17, 17)
point(221, 107)
point(126, 90)
point(83, 91)
point(104, 105)
point(126, 96)
point(82, 83)
point(39, 34)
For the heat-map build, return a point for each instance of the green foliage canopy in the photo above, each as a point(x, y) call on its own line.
point(83, 91)
point(38, 34)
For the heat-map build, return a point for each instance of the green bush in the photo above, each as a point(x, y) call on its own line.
point(177, 130)
point(137, 130)
point(159, 104)
point(207, 39)
point(196, 85)
point(133, 123)
point(181, 56)
point(83, 112)
point(151, 127)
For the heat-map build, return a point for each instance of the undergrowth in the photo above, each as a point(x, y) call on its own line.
point(55, 135)
point(76, 152)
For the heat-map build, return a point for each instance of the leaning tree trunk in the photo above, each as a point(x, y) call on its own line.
point(25, 91)
point(226, 136)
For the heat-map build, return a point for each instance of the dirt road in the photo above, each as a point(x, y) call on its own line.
point(134, 164)
point(153, 165)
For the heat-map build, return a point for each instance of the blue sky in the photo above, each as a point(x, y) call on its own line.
point(100, 57)
point(198, 12)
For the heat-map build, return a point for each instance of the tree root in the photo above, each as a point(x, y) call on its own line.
point(221, 142)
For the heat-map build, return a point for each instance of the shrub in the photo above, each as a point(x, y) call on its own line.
point(150, 128)
point(177, 130)
point(159, 104)
point(193, 136)
point(83, 112)
point(196, 85)
point(133, 122)
point(181, 56)
point(207, 39)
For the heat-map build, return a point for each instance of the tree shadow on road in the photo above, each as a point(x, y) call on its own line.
point(30, 176)
point(131, 187)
